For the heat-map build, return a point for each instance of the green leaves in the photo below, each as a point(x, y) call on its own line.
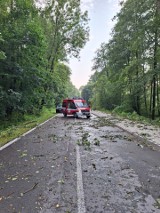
point(2, 53)
point(127, 68)
point(68, 28)
point(34, 43)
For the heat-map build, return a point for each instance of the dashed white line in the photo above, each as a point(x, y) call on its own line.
point(80, 191)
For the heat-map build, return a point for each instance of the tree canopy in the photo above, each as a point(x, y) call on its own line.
point(35, 44)
point(127, 68)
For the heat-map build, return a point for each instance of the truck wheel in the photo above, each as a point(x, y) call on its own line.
point(65, 114)
point(75, 115)
point(88, 116)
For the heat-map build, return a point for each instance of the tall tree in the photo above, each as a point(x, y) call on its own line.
point(69, 30)
point(35, 42)
point(131, 59)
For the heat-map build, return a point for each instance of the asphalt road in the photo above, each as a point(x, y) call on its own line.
point(82, 165)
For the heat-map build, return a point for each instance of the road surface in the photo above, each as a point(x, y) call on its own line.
point(82, 165)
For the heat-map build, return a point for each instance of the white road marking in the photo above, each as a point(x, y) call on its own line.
point(26, 133)
point(9, 143)
point(80, 192)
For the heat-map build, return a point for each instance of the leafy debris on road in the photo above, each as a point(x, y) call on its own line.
point(96, 142)
point(104, 122)
point(61, 181)
point(113, 137)
point(94, 166)
point(84, 141)
point(104, 158)
point(158, 202)
point(57, 205)
point(32, 188)
point(53, 137)
point(23, 154)
point(140, 145)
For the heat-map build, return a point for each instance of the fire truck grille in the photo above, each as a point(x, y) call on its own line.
point(85, 110)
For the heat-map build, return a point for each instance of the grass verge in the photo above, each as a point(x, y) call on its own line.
point(13, 130)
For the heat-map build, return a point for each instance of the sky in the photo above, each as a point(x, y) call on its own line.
point(100, 13)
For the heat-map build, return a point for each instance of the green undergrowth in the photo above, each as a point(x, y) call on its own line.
point(12, 129)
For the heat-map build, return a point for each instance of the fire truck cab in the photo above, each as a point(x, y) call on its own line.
point(76, 107)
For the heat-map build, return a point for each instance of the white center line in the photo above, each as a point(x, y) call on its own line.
point(80, 192)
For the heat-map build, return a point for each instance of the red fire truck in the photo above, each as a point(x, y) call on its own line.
point(76, 107)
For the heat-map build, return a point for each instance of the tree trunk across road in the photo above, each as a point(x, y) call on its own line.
point(81, 165)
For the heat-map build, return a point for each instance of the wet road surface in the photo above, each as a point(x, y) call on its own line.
point(83, 165)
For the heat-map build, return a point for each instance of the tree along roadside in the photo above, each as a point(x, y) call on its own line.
point(126, 74)
point(35, 45)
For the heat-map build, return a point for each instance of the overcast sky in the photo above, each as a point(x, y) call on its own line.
point(101, 13)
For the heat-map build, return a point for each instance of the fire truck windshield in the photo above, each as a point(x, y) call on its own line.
point(80, 104)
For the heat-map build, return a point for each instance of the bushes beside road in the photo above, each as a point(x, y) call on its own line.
point(12, 129)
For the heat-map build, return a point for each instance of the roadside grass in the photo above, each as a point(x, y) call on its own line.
point(10, 130)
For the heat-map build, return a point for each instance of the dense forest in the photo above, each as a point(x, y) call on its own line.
point(127, 69)
point(36, 42)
